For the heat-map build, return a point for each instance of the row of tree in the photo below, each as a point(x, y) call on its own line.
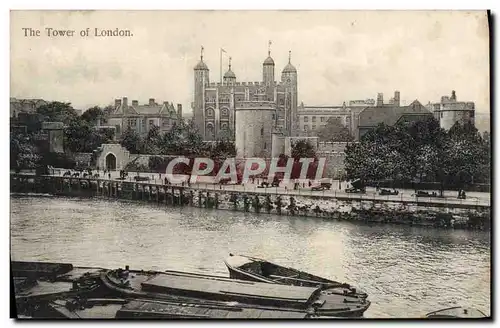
point(80, 134)
point(421, 151)
point(183, 139)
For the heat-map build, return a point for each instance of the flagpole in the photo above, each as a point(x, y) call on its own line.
point(220, 65)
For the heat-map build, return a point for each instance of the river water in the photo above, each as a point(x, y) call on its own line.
point(406, 271)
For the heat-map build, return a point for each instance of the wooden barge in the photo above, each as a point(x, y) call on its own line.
point(53, 290)
point(255, 269)
point(174, 285)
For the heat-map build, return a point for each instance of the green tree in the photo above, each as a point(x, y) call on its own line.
point(334, 131)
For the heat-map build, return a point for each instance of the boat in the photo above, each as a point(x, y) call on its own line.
point(96, 293)
point(143, 309)
point(80, 308)
point(456, 312)
point(185, 286)
point(116, 308)
point(255, 269)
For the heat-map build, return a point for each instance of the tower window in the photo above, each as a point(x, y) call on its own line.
point(314, 119)
point(306, 127)
point(265, 145)
point(262, 131)
point(306, 119)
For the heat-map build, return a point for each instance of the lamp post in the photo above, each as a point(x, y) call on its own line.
point(339, 172)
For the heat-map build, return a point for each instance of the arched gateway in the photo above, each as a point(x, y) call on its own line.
point(111, 157)
point(111, 162)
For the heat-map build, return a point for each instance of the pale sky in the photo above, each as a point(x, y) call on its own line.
point(339, 55)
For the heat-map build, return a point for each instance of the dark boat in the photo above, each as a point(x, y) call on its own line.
point(184, 287)
point(254, 269)
point(96, 293)
point(456, 312)
point(111, 308)
point(142, 309)
point(80, 308)
point(39, 269)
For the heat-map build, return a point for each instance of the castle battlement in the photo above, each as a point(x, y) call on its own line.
point(256, 104)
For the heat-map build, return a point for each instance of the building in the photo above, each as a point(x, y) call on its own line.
point(254, 127)
point(215, 105)
point(313, 118)
point(450, 111)
point(362, 103)
point(389, 114)
point(141, 118)
point(27, 106)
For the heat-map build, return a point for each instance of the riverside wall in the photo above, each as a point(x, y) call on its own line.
point(362, 209)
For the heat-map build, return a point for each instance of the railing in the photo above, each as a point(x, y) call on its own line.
point(406, 197)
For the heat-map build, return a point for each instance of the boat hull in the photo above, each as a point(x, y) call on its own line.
point(283, 276)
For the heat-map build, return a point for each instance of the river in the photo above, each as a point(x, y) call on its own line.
point(406, 271)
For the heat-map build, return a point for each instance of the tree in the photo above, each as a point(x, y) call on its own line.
point(131, 141)
point(153, 140)
point(419, 151)
point(93, 114)
point(468, 152)
point(82, 136)
point(334, 131)
point(57, 112)
point(23, 152)
point(303, 149)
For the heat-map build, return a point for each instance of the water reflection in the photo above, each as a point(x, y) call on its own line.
point(407, 271)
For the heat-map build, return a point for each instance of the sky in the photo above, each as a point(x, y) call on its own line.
point(339, 55)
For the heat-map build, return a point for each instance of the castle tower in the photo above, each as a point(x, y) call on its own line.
point(268, 68)
point(229, 76)
point(201, 80)
point(289, 80)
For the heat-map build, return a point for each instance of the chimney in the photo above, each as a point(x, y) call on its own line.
point(397, 99)
point(453, 96)
point(152, 101)
point(380, 99)
point(125, 102)
point(179, 110)
point(118, 102)
point(135, 103)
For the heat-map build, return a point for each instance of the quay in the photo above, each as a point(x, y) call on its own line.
point(473, 212)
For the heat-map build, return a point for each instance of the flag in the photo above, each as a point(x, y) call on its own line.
point(222, 50)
